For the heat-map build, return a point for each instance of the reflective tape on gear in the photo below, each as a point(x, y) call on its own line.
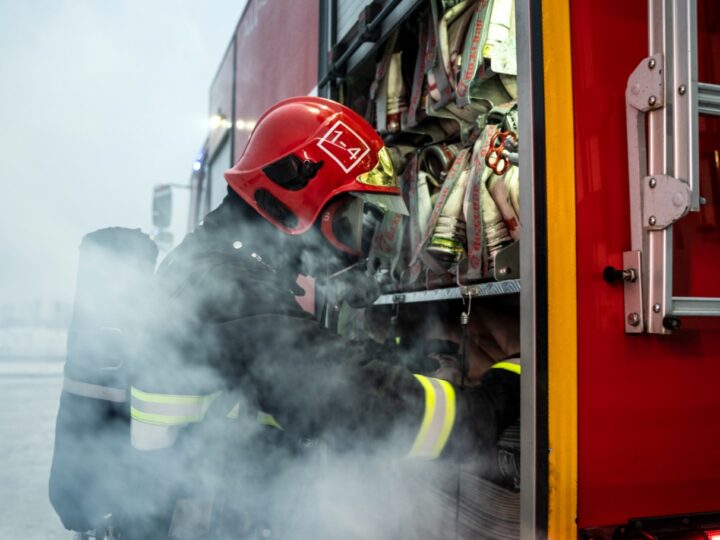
point(234, 413)
point(513, 364)
point(438, 419)
point(262, 417)
point(168, 409)
point(94, 391)
point(268, 419)
point(147, 437)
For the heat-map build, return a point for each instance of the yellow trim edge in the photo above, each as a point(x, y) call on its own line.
point(562, 277)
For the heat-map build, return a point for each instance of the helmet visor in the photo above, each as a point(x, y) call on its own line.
point(383, 201)
point(383, 174)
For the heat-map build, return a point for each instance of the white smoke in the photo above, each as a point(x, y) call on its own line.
point(98, 102)
point(95, 113)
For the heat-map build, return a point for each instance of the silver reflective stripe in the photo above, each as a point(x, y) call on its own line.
point(438, 418)
point(94, 391)
point(145, 437)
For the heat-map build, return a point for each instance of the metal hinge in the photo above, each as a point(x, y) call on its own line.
point(664, 201)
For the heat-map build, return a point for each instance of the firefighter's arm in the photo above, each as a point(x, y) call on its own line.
point(315, 383)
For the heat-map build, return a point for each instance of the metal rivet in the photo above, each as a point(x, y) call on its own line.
point(656, 308)
point(652, 100)
point(652, 183)
point(652, 220)
point(652, 63)
point(237, 244)
point(682, 89)
point(633, 319)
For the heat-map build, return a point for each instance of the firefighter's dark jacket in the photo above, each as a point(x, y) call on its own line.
point(227, 323)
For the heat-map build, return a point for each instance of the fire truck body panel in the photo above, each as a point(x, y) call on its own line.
point(647, 404)
point(277, 52)
point(272, 55)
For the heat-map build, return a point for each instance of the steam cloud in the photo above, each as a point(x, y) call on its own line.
point(330, 473)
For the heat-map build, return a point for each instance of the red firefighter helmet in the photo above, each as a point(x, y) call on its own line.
point(303, 152)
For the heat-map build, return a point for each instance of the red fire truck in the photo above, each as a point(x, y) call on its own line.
point(618, 152)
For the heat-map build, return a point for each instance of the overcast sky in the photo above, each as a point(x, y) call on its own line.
point(99, 101)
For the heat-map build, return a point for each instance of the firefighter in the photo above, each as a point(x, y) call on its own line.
point(229, 340)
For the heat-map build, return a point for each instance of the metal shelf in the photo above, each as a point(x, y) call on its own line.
point(493, 288)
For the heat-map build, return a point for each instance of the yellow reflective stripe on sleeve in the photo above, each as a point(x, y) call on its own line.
point(427, 416)
point(163, 419)
point(438, 418)
point(168, 409)
point(166, 398)
point(234, 413)
point(449, 420)
point(268, 419)
point(508, 366)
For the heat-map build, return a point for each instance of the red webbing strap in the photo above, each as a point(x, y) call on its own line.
point(498, 185)
point(501, 195)
point(418, 76)
point(472, 208)
point(472, 60)
point(454, 14)
point(381, 70)
point(457, 32)
point(418, 256)
point(438, 84)
point(411, 181)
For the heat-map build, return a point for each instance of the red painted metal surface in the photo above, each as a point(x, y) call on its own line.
point(277, 57)
point(221, 100)
point(648, 407)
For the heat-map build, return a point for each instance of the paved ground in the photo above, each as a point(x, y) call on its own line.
point(29, 394)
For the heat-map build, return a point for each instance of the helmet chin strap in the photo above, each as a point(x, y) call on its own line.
point(309, 253)
point(317, 257)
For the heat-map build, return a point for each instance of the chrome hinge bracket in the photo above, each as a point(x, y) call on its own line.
point(645, 88)
point(634, 316)
point(664, 201)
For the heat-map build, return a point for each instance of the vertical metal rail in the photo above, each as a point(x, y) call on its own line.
point(684, 89)
point(657, 244)
point(533, 295)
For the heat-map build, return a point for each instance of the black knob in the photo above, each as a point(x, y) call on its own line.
point(612, 274)
point(671, 323)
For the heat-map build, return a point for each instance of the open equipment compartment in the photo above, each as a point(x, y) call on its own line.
point(438, 80)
